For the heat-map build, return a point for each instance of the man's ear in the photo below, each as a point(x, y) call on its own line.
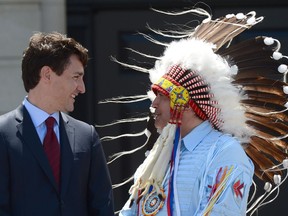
point(187, 108)
point(189, 111)
point(45, 73)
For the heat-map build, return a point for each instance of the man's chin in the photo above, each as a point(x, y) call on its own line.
point(159, 129)
point(68, 110)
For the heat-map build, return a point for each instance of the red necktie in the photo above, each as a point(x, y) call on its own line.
point(52, 148)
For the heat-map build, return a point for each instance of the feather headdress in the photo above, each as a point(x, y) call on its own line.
point(240, 88)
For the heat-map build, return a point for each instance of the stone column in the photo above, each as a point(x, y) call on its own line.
point(53, 15)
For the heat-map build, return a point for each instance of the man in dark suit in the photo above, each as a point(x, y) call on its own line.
point(57, 170)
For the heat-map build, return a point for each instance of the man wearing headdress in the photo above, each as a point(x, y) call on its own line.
point(208, 171)
point(210, 112)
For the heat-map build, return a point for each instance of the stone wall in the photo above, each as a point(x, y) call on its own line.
point(18, 20)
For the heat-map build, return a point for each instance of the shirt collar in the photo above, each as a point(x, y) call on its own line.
point(38, 115)
point(195, 137)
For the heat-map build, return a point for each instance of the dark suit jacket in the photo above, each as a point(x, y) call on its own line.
point(27, 186)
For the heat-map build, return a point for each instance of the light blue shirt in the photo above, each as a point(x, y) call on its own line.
point(38, 117)
point(204, 156)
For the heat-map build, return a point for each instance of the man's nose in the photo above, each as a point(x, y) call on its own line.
point(81, 87)
point(155, 102)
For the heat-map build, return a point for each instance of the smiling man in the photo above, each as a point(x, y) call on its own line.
point(51, 163)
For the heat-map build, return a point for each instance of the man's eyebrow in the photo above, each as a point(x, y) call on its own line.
point(79, 73)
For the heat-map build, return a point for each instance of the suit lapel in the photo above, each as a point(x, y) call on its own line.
point(67, 140)
point(31, 139)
